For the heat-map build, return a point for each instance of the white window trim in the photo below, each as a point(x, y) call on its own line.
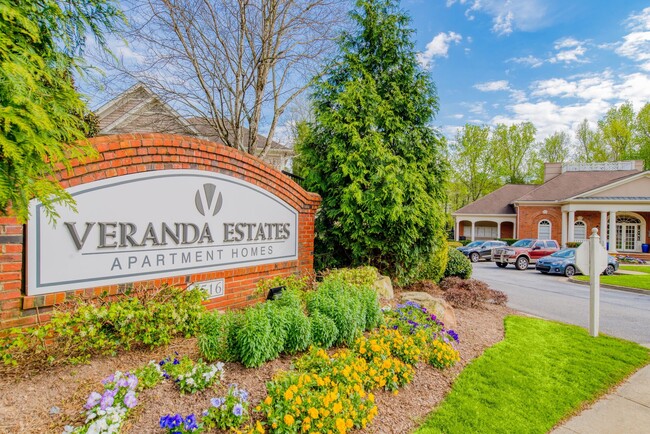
point(550, 229)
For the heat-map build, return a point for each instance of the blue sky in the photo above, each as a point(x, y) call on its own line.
point(551, 62)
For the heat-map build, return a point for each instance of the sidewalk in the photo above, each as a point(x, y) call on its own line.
point(625, 410)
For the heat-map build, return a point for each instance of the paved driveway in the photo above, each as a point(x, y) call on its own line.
point(622, 314)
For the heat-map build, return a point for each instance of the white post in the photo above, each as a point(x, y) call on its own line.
point(564, 228)
point(603, 228)
point(612, 232)
point(570, 227)
point(498, 229)
point(594, 284)
point(457, 230)
point(473, 234)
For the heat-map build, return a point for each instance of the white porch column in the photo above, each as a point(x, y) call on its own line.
point(603, 228)
point(498, 229)
point(473, 231)
point(570, 227)
point(564, 228)
point(612, 231)
point(457, 229)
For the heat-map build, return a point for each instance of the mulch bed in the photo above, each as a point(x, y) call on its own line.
point(44, 402)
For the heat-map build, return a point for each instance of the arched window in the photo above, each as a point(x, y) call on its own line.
point(544, 230)
point(579, 231)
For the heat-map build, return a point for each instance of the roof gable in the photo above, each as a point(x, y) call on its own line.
point(571, 184)
point(630, 187)
point(498, 202)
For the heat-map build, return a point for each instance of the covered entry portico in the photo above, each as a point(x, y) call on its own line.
point(484, 227)
point(622, 226)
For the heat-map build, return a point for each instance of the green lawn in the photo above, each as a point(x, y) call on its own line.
point(540, 374)
point(641, 268)
point(639, 281)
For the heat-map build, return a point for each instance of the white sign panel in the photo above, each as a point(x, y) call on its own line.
point(157, 224)
point(582, 257)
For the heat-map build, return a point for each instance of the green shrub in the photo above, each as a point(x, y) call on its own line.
point(298, 331)
point(370, 302)
point(292, 298)
point(573, 244)
point(362, 276)
point(255, 336)
point(454, 244)
point(458, 265)
point(291, 282)
point(465, 242)
point(217, 338)
point(340, 302)
point(143, 319)
point(323, 330)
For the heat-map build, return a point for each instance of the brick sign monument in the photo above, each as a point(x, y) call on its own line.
point(157, 209)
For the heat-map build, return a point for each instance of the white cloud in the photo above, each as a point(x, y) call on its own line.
point(438, 47)
point(569, 50)
point(503, 23)
point(526, 15)
point(458, 116)
point(640, 21)
point(530, 60)
point(492, 86)
point(636, 44)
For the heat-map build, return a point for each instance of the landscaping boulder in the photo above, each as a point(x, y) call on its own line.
point(435, 305)
point(384, 287)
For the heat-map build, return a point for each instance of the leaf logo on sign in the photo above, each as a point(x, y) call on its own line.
point(205, 200)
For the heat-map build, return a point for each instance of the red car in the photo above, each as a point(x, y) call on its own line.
point(524, 252)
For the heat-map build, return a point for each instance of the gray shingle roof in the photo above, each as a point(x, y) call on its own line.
point(570, 184)
point(499, 201)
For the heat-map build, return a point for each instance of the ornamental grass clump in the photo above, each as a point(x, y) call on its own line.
point(217, 338)
point(107, 411)
point(229, 411)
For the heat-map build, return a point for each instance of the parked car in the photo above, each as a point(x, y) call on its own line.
point(564, 262)
point(480, 249)
point(524, 252)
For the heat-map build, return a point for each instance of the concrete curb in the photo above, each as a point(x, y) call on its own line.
point(615, 287)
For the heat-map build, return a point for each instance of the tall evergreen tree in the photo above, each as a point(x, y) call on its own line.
point(42, 116)
point(372, 154)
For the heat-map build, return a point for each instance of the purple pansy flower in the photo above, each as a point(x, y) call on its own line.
point(130, 400)
point(93, 400)
point(216, 402)
point(107, 400)
point(238, 410)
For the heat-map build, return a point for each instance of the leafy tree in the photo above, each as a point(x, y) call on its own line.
point(372, 155)
point(590, 145)
point(642, 135)
point(41, 114)
point(474, 161)
point(617, 129)
point(555, 149)
point(514, 146)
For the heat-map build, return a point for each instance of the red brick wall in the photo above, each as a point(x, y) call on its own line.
point(134, 153)
point(530, 216)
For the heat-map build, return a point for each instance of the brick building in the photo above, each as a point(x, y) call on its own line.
point(140, 110)
point(573, 199)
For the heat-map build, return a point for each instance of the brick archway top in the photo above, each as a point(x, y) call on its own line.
point(124, 154)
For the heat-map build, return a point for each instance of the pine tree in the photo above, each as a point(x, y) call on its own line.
point(42, 116)
point(372, 154)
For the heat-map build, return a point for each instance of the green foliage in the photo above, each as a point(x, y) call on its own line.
point(217, 339)
point(291, 282)
point(458, 265)
point(256, 337)
point(223, 415)
point(372, 155)
point(514, 146)
point(454, 244)
point(340, 302)
point(298, 331)
point(323, 330)
point(149, 375)
point(364, 276)
point(573, 244)
point(106, 327)
point(41, 113)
